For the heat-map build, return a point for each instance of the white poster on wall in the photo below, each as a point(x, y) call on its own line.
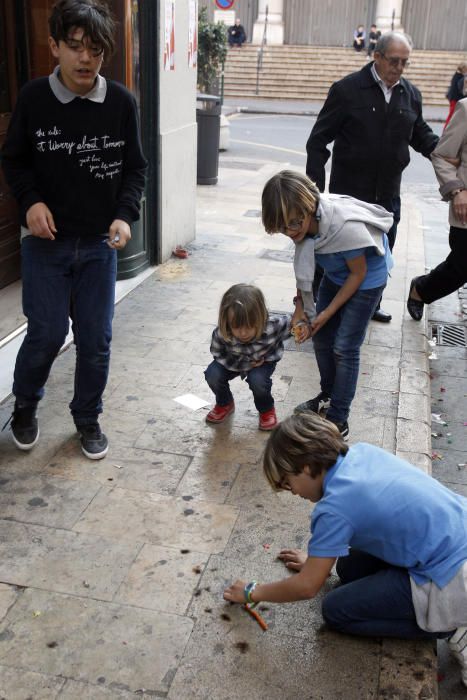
point(169, 38)
point(193, 34)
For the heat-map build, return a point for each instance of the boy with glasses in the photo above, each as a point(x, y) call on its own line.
point(73, 160)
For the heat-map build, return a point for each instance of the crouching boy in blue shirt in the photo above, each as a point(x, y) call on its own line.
point(399, 537)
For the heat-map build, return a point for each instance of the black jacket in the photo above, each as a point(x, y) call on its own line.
point(371, 138)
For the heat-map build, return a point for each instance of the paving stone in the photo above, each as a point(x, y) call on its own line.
point(207, 480)
point(8, 596)
point(415, 381)
point(162, 578)
point(16, 684)
point(386, 337)
point(44, 500)
point(79, 690)
point(418, 459)
point(411, 408)
point(374, 376)
point(413, 436)
point(129, 648)
point(412, 676)
point(62, 561)
point(229, 661)
point(131, 515)
point(126, 467)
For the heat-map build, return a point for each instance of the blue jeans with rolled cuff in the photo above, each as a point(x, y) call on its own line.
point(374, 600)
point(259, 379)
point(71, 276)
point(337, 344)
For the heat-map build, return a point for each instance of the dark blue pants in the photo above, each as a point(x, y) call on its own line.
point(337, 345)
point(258, 379)
point(450, 274)
point(374, 600)
point(69, 276)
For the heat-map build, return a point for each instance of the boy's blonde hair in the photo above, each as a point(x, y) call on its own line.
point(242, 305)
point(285, 193)
point(304, 439)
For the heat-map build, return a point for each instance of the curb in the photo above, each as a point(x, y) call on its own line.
point(409, 669)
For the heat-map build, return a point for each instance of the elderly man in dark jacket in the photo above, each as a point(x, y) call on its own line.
point(373, 116)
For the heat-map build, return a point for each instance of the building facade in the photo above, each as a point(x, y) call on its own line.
point(430, 23)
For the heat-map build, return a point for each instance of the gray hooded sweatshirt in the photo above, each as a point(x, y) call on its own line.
point(345, 223)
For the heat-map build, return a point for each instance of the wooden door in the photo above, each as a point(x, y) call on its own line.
point(9, 225)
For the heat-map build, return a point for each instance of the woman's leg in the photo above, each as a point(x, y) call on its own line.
point(259, 379)
point(449, 275)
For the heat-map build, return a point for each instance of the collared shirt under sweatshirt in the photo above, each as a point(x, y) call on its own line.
point(81, 156)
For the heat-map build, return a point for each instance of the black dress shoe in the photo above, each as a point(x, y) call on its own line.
point(414, 307)
point(381, 316)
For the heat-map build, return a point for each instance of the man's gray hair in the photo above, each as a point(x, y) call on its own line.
point(386, 39)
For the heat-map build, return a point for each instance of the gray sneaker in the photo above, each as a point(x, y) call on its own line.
point(94, 443)
point(316, 405)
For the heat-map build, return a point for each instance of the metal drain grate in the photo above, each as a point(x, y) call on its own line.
point(449, 334)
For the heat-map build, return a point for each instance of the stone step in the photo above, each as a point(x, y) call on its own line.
point(306, 72)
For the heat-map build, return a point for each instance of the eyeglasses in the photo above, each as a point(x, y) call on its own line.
point(294, 225)
point(395, 60)
point(79, 47)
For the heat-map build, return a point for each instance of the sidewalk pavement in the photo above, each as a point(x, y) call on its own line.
point(259, 105)
point(112, 571)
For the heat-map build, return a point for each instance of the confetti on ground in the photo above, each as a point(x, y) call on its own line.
point(436, 417)
point(436, 455)
point(266, 546)
point(36, 613)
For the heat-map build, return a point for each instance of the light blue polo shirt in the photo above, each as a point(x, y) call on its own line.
point(378, 266)
point(380, 504)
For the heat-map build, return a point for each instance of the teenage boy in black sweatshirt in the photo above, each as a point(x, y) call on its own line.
point(74, 162)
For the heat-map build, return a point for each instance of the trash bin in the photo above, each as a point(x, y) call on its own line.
point(208, 119)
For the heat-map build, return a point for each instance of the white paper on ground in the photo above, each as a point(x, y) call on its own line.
point(191, 401)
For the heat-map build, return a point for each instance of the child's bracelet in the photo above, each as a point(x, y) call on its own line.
point(248, 590)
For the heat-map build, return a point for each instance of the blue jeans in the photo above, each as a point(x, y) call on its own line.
point(258, 379)
point(337, 344)
point(73, 277)
point(375, 600)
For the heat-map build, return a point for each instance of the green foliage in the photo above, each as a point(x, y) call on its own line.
point(212, 50)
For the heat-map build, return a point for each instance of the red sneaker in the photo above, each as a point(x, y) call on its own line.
point(268, 420)
point(220, 413)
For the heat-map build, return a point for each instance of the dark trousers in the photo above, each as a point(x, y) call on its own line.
point(450, 274)
point(375, 600)
point(259, 379)
point(74, 275)
point(393, 205)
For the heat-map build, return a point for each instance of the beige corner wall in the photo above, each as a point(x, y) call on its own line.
point(177, 137)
